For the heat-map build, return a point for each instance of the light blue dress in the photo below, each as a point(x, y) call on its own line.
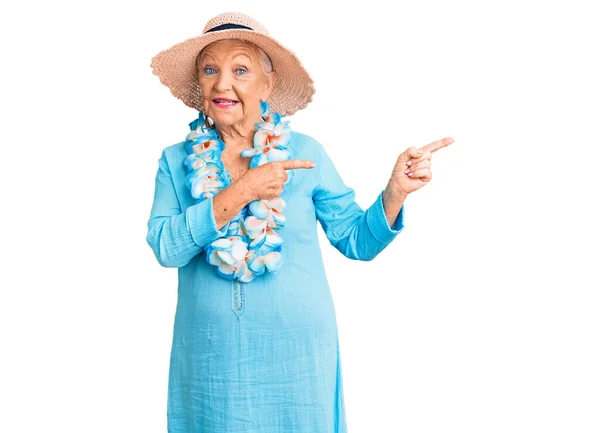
point(260, 357)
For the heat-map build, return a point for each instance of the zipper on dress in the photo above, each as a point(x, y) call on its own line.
point(238, 298)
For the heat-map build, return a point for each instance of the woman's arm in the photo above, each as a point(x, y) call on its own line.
point(175, 236)
point(229, 202)
point(358, 234)
point(393, 200)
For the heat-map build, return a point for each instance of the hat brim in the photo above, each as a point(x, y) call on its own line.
point(176, 69)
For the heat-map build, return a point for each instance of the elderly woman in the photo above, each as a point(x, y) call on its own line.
point(255, 345)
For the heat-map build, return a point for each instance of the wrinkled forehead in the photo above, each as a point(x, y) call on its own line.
point(220, 50)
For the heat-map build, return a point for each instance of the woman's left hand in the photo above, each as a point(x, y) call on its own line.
point(413, 167)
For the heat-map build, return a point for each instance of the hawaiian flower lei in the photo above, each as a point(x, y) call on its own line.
point(251, 245)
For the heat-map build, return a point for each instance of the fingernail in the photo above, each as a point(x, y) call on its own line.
point(409, 162)
point(410, 174)
point(312, 164)
point(407, 170)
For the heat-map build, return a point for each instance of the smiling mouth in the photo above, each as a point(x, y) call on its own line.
point(225, 102)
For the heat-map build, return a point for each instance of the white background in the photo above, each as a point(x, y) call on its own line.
point(482, 315)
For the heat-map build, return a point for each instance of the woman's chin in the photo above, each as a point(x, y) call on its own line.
point(224, 119)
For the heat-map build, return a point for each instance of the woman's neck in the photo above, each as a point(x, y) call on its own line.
point(236, 137)
point(237, 143)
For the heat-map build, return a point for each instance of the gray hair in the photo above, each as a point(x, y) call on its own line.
point(264, 59)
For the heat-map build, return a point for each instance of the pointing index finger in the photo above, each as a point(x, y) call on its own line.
point(291, 164)
point(437, 145)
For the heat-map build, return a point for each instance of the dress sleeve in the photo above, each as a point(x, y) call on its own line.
point(358, 234)
point(176, 236)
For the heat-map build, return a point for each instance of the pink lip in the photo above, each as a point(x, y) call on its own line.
point(224, 106)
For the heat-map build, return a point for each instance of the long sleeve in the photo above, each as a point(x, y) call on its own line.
point(176, 236)
point(358, 234)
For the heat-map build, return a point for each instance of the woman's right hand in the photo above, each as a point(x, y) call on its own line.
point(267, 180)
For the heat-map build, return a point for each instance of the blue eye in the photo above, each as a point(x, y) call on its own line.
point(208, 69)
point(241, 69)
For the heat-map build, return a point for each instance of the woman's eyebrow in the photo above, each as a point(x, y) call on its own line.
point(205, 55)
point(243, 55)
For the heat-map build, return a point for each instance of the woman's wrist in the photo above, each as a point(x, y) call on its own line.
point(243, 191)
point(393, 200)
point(393, 191)
point(229, 202)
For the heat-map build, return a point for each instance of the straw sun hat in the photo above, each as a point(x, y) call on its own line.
point(176, 66)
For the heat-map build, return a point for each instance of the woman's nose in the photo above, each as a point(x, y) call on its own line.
point(223, 82)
